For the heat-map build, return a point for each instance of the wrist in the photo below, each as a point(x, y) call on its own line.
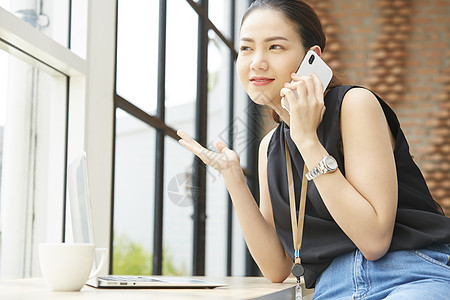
point(233, 175)
point(306, 142)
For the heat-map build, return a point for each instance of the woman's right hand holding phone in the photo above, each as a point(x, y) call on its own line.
point(225, 161)
point(306, 106)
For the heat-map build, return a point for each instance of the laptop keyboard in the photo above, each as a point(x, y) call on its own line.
point(129, 278)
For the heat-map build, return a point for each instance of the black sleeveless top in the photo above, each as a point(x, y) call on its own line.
point(419, 221)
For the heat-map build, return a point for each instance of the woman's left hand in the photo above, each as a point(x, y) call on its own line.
point(306, 106)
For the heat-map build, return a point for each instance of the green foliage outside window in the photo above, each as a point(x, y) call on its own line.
point(131, 258)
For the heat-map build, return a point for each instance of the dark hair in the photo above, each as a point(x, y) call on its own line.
point(306, 21)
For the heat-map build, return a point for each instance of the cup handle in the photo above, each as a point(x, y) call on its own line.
point(103, 252)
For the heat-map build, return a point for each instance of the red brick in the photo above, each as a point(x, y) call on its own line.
point(417, 85)
point(442, 4)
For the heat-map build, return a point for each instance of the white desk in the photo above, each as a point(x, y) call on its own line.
point(237, 288)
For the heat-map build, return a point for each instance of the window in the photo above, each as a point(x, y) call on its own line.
point(39, 76)
point(33, 152)
point(137, 53)
point(48, 16)
point(75, 98)
point(134, 186)
point(165, 83)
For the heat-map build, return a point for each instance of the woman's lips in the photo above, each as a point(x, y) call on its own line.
point(260, 81)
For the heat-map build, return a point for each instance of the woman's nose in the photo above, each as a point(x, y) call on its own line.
point(259, 62)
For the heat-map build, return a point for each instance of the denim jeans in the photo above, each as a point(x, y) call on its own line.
point(408, 274)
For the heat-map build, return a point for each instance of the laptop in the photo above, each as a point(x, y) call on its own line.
point(82, 229)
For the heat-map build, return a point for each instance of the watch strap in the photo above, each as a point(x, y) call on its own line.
point(320, 169)
point(315, 172)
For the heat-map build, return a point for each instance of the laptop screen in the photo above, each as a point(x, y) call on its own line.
point(80, 206)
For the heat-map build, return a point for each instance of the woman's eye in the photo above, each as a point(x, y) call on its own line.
point(276, 47)
point(244, 48)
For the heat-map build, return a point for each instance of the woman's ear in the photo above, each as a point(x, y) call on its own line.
point(317, 50)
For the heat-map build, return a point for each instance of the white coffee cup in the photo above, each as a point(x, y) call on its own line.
point(67, 267)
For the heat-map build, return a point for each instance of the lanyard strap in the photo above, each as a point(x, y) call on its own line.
point(297, 227)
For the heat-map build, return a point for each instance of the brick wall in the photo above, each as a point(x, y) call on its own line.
point(401, 50)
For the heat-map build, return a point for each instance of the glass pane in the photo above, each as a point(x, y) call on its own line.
point(239, 246)
point(3, 97)
point(32, 126)
point(137, 52)
point(219, 14)
point(133, 196)
point(242, 114)
point(178, 210)
point(181, 69)
point(48, 16)
point(78, 27)
point(218, 127)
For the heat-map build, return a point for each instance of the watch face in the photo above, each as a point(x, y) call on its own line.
point(331, 163)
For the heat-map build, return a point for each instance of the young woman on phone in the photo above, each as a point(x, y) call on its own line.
point(371, 228)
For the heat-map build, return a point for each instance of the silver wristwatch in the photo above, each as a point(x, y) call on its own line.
point(326, 165)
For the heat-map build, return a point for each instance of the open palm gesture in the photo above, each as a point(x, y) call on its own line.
point(223, 161)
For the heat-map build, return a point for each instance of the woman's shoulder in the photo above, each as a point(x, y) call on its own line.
point(352, 95)
point(266, 139)
point(360, 102)
point(359, 95)
point(342, 91)
point(270, 141)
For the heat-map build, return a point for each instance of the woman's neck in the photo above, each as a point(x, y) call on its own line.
point(284, 115)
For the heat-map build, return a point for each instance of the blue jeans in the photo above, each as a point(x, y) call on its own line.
point(409, 274)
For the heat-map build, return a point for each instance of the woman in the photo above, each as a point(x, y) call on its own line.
point(365, 220)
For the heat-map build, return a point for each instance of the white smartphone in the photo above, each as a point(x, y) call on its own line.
point(312, 63)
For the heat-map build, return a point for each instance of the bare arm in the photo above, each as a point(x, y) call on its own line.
point(363, 203)
point(265, 204)
point(257, 226)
